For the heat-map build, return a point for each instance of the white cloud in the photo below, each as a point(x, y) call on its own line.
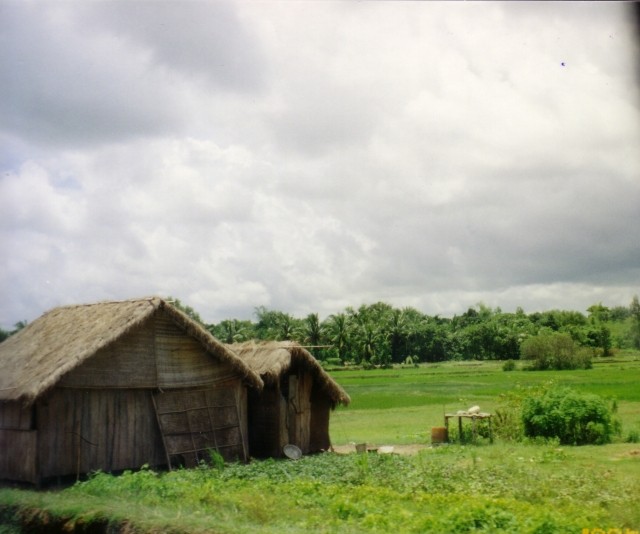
point(307, 157)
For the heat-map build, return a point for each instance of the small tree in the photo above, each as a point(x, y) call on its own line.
point(554, 350)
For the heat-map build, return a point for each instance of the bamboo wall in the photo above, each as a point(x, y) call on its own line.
point(84, 430)
point(299, 410)
point(15, 416)
point(18, 442)
point(18, 455)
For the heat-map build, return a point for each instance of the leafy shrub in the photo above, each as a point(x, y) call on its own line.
point(633, 437)
point(507, 417)
point(509, 365)
point(572, 417)
point(555, 351)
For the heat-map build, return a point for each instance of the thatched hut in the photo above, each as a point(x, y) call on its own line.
point(295, 403)
point(115, 385)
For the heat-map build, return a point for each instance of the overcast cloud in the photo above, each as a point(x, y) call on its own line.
point(315, 155)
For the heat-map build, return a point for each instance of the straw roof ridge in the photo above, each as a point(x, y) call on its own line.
point(36, 357)
point(272, 359)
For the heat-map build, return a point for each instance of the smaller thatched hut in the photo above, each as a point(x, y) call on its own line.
point(115, 385)
point(295, 403)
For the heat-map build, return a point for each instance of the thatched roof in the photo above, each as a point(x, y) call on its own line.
point(272, 359)
point(36, 357)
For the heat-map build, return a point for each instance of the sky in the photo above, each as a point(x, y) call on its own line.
point(309, 156)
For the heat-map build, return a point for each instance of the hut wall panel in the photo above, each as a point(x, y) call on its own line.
point(241, 395)
point(299, 410)
point(283, 425)
point(127, 362)
point(319, 439)
point(182, 361)
point(85, 430)
point(15, 416)
point(18, 456)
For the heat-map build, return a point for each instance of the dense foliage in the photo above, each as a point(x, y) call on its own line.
point(554, 350)
point(379, 334)
point(571, 417)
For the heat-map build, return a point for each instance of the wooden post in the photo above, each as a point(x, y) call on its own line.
point(473, 429)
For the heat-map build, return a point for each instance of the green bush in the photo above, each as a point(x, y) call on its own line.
point(633, 437)
point(574, 418)
point(507, 418)
point(555, 351)
point(509, 365)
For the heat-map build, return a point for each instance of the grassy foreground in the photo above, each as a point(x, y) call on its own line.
point(516, 488)
point(524, 489)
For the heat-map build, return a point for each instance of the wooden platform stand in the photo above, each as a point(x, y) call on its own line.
point(466, 415)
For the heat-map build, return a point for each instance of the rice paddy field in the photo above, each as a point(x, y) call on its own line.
point(401, 405)
point(535, 487)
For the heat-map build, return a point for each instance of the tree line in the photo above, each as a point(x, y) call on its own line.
point(380, 334)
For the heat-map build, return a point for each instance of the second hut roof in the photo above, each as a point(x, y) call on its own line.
point(272, 359)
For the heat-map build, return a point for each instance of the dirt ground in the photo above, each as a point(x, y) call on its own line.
point(397, 449)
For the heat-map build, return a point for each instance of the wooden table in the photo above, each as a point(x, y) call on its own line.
point(467, 415)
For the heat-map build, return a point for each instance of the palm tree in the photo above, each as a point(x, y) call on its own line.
point(337, 327)
point(397, 332)
point(232, 331)
point(313, 334)
point(286, 327)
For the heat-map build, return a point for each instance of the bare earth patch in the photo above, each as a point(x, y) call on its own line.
point(396, 449)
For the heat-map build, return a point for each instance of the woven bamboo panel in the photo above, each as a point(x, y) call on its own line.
point(127, 362)
point(182, 361)
point(194, 421)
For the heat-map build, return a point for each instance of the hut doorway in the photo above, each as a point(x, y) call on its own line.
point(193, 422)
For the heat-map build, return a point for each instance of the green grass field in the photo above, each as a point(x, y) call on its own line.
point(400, 405)
point(504, 487)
